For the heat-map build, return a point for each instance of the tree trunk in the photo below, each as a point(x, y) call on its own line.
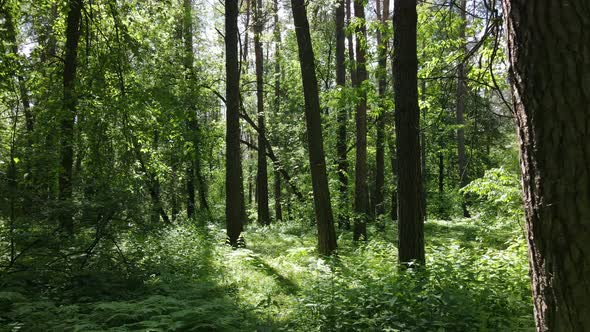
point(350, 45)
point(423, 151)
point(361, 198)
point(187, 26)
point(393, 161)
point(317, 160)
point(461, 97)
point(233, 168)
point(407, 128)
point(68, 116)
point(341, 148)
point(550, 71)
point(383, 16)
point(277, 106)
point(261, 173)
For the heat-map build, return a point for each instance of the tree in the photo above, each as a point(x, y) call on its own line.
point(277, 106)
point(383, 17)
point(549, 73)
point(233, 163)
point(341, 148)
point(407, 130)
point(68, 115)
point(460, 109)
point(261, 174)
point(317, 160)
point(361, 197)
point(350, 44)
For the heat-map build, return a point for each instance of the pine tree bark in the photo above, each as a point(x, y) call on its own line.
point(460, 110)
point(262, 166)
point(233, 168)
point(549, 72)
point(317, 160)
point(361, 197)
point(342, 117)
point(407, 128)
point(68, 116)
point(383, 16)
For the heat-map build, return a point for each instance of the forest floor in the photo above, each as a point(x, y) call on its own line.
point(187, 279)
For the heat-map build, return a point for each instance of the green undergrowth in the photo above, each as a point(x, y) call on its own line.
point(186, 279)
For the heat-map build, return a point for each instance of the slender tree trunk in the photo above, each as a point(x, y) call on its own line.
point(317, 160)
point(191, 122)
point(383, 16)
point(244, 63)
point(233, 169)
point(262, 172)
point(461, 98)
point(351, 61)
point(341, 146)
point(68, 116)
point(550, 71)
point(277, 106)
point(407, 128)
point(361, 198)
point(423, 151)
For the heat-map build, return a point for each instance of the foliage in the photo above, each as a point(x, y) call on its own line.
point(498, 195)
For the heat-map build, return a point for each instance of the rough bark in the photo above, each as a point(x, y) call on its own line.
point(407, 128)
point(68, 116)
point(317, 160)
point(342, 117)
point(550, 70)
point(361, 197)
point(460, 109)
point(262, 166)
point(383, 16)
point(233, 173)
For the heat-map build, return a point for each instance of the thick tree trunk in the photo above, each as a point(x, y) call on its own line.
point(550, 70)
point(341, 148)
point(262, 172)
point(407, 128)
point(233, 168)
point(68, 116)
point(317, 160)
point(460, 111)
point(361, 198)
point(383, 16)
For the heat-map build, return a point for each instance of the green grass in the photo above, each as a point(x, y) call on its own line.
point(188, 280)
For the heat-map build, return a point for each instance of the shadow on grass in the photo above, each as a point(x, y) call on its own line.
point(285, 283)
point(469, 234)
point(175, 286)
